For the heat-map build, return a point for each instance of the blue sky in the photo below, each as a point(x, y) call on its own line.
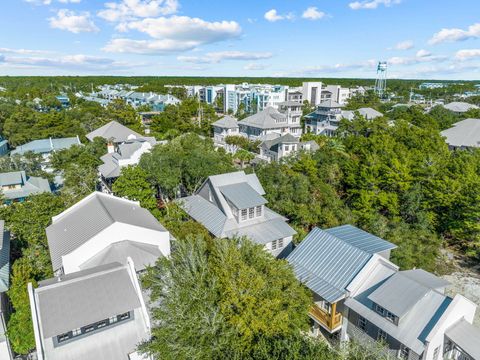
point(432, 39)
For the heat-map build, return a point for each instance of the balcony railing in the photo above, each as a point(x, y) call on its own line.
point(330, 322)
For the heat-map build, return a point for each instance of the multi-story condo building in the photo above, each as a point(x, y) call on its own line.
point(312, 92)
point(286, 120)
point(359, 294)
point(336, 93)
point(232, 205)
point(102, 228)
point(254, 98)
point(98, 313)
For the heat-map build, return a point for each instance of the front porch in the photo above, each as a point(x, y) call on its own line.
point(330, 320)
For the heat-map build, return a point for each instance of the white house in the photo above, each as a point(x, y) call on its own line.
point(232, 205)
point(226, 126)
point(104, 228)
point(97, 313)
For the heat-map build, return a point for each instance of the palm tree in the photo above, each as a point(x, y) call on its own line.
point(244, 156)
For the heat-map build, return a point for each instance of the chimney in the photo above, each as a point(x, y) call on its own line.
point(110, 147)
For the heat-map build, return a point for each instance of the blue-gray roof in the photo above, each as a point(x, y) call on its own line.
point(29, 185)
point(4, 258)
point(327, 263)
point(43, 146)
point(242, 195)
point(361, 239)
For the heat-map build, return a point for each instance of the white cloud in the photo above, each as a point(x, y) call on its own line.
point(69, 1)
point(173, 34)
point(75, 62)
point(455, 34)
point(404, 45)
point(23, 51)
point(273, 15)
point(159, 47)
point(216, 57)
point(131, 9)
point(467, 54)
point(312, 13)
point(372, 4)
point(70, 21)
point(254, 66)
point(48, 2)
point(423, 53)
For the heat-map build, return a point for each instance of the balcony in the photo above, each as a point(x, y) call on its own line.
point(328, 321)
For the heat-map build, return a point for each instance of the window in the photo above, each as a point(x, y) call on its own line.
point(112, 320)
point(251, 213)
point(63, 337)
point(384, 312)
point(362, 323)
point(244, 214)
point(280, 243)
point(259, 211)
point(124, 316)
point(382, 335)
point(287, 148)
point(404, 352)
point(274, 245)
point(436, 352)
point(76, 331)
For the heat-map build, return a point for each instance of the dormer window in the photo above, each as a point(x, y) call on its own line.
point(385, 313)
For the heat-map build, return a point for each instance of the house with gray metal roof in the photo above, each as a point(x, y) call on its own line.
point(46, 146)
point(282, 121)
point(16, 186)
point(113, 131)
point(367, 112)
point(226, 126)
point(123, 154)
point(276, 148)
point(97, 313)
point(102, 228)
point(410, 314)
point(460, 107)
point(464, 134)
point(325, 119)
point(232, 205)
point(329, 261)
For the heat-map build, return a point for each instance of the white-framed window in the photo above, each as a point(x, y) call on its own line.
point(251, 213)
point(325, 305)
point(436, 352)
point(384, 312)
point(76, 331)
point(362, 323)
point(287, 147)
point(258, 211)
point(280, 243)
point(112, 320)
point(382, 335)
point(274, 245)
point(404, 352)
point(244, 214)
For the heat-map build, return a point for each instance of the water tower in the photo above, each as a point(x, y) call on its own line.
point(381, 81)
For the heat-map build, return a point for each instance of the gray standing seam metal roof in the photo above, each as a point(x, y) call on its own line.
point(143, 255)
point(13, 178)
point(329, 104)
point(403, 290)
point(361, 239)
point(46, 145)
point(205, 213)
point(4, 258)
point(465, 133)
point(29, 185)
point(242, 195)
point(264, 232)
point(113, 130)
point(466, 336)
point(326, 261)
point(93, 214)
point(459, 106)
point(266, 119)
point(414, 328)
point(284, 139)
point(227, 122)
point(87, 297)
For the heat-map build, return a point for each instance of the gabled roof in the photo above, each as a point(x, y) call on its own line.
point(47, 145)
point(226, 122)
point(142, 254)
point(84, 297)
point(367, 112)
point(284, 139)
point(29, 185)
point(404, 290)
point(326, 264)
point(96, 212)
point(459, 106)
point(466, 336)
point(290, 103)
point(242, 195)
point(269, 118)
point(113, 130)
point(465, 133)
point(4, 258)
